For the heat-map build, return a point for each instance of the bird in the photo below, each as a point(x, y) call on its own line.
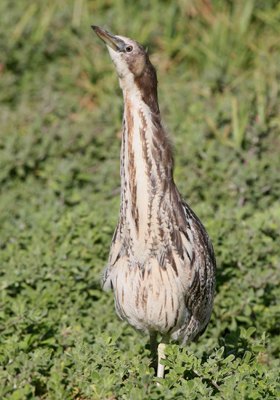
point(161, 264)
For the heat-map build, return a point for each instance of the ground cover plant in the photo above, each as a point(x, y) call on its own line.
point(60, 118)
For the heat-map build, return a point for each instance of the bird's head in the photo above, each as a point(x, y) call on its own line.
point(131, 61)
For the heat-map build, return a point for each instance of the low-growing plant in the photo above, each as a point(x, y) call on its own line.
point(218, 71)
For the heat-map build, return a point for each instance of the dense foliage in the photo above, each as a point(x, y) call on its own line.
point(60, 117)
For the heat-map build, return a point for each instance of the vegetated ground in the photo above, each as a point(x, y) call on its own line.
point(61, 110)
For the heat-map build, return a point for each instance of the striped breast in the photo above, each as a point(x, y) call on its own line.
point(171, 290)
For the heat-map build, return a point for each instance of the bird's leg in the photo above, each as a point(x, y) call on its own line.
point(161, 356)
point(154, 347)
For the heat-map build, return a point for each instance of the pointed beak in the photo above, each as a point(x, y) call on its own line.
point(112, 41)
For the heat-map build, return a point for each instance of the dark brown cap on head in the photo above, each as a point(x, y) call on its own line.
point(129, 58)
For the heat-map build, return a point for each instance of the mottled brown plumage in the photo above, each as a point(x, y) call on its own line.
point(161, 264)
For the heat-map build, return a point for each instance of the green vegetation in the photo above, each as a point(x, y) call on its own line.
point(60, 118)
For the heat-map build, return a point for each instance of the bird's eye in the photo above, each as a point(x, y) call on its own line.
point(128, 49)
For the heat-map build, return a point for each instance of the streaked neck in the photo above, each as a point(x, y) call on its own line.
point(146, 164)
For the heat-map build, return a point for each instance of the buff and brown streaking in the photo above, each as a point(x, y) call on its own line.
point(161, 264)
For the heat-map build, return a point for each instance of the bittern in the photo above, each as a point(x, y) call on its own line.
point(161, 264)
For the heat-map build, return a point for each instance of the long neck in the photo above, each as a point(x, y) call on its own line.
point(146, 165)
